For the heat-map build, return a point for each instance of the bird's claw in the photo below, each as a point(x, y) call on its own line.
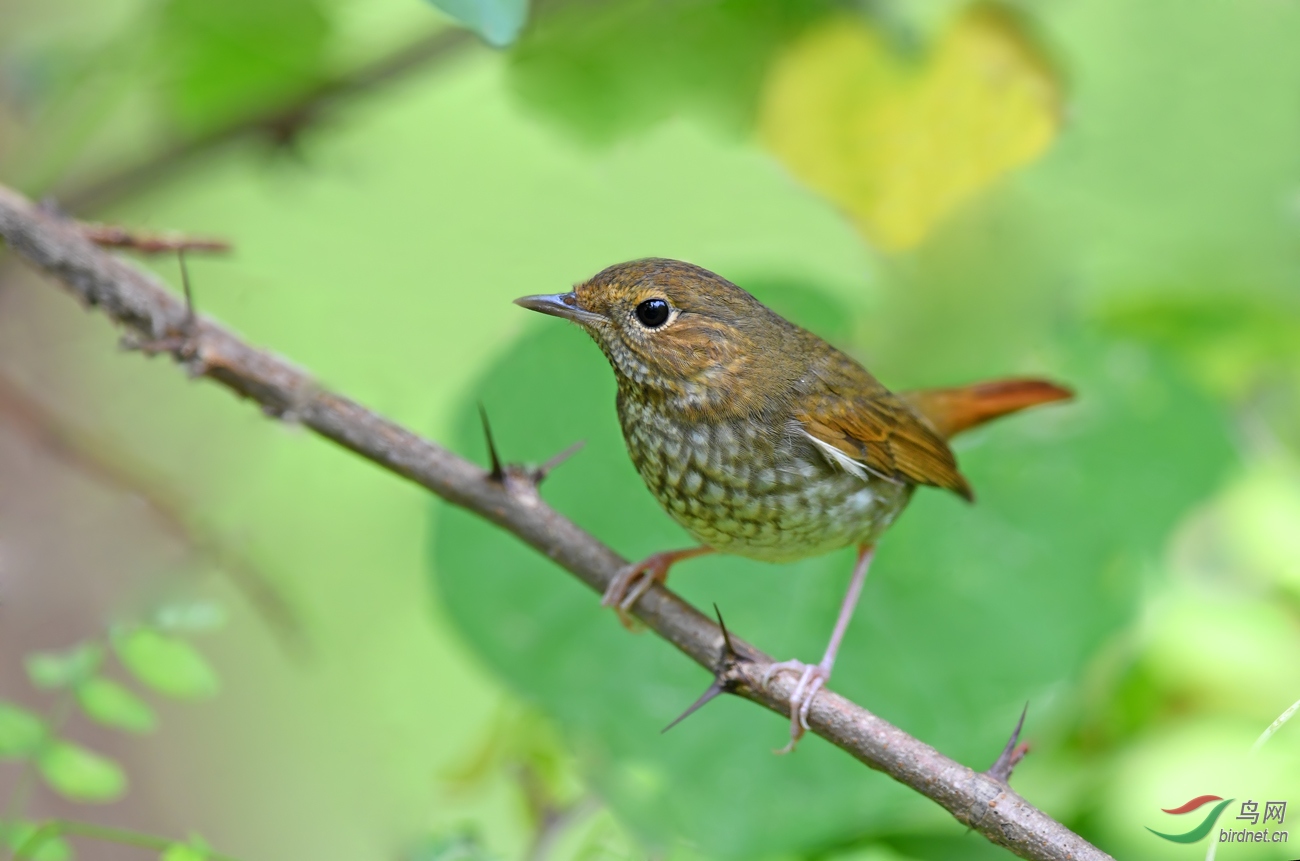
point(632, 582)
point(635, 580)
point(811, 679)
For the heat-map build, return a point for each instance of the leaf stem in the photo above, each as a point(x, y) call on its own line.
point(1275, 726)
point(121, 836)
point(26, 783)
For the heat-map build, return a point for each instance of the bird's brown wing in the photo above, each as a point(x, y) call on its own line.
point(856, 415)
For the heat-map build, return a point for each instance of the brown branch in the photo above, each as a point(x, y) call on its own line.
point(148, 242)
point(279, 126)
point(140, 303)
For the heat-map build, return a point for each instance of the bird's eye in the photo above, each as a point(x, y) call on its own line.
point(653, 313)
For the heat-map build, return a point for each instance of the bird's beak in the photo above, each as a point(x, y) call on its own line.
point(561, 305)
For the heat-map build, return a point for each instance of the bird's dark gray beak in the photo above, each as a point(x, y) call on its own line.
point(560, 305)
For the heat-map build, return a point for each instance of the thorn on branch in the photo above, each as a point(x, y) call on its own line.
point(498, 474)
point(517, 477)
point(724, 681)
point(116, 236)
point(1012, 753)
point(284, 131)
point(188, 325)
point(181, 341)
point(541, 472)
point(49, 205)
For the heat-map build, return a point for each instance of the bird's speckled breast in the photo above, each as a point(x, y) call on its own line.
point(752, 489)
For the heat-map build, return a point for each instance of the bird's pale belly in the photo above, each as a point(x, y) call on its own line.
point(753, 490)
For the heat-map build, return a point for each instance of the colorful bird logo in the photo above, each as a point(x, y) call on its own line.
point(1206, 825)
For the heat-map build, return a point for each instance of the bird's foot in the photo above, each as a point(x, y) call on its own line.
point(635, 580)
point(811, 679)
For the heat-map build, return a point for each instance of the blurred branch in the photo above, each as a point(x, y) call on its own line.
point(551, 818)
point(138, 302)
point(279, 126)
point(115, 469)
point(555, 825)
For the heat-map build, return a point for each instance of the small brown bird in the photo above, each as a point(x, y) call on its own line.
point(760, 438)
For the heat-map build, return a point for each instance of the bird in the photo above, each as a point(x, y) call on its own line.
point(760, 438)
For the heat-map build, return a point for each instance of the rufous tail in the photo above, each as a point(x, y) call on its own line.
point(954, 410)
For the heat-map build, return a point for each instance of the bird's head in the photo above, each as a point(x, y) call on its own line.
point(673, 327)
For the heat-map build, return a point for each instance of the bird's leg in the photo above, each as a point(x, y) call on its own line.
point(812, 677)
point(635, 580)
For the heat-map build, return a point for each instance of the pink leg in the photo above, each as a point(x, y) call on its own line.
point(635, 580)
point(813, 677)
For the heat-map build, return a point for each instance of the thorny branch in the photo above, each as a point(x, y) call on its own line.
point(145, 242)
point(97, 459)
point(140, 303)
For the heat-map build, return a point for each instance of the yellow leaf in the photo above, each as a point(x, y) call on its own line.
point(900, 143)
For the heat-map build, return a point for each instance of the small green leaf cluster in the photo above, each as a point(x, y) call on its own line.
point(195, 849)
point(156, 655)
point(28, 840)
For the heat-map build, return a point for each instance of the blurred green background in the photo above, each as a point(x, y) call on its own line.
point(1106, 193)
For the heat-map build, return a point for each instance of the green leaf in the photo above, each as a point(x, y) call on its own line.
point(608, 70)
point(194, 618)
point(61, 669)
point(497, 21)
point(166, 664)
point(21, 732)
point(1240, 343)
point(105, 701)
point(80, 774)
point(455, 846)
point(1074, 503)
point(50, 848)
point(238, 57)
point(184, 852)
